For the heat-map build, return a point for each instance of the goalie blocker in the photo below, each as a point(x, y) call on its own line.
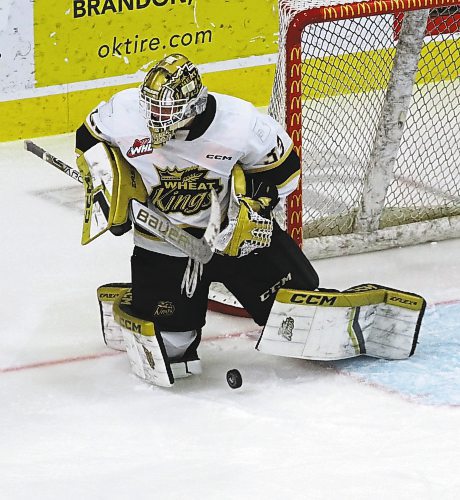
point(366, 320)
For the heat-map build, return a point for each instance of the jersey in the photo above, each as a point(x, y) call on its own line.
point(180, 175)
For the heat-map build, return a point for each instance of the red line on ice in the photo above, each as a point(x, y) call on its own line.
point(63, 361)
point(89, 357)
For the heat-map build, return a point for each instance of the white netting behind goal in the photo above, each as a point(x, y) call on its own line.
point(369, 152)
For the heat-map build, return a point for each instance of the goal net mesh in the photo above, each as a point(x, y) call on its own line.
point(344, 59)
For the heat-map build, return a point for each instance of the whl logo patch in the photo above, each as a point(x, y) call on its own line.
point(187, 191)
point(140, 147)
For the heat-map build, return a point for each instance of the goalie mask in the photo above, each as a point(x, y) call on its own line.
point(171, 94)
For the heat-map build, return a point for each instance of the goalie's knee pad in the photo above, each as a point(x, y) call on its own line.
point(325, 325)
point(156, 357)
point(111, 330)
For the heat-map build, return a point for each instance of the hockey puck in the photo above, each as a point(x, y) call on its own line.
point(234, 379)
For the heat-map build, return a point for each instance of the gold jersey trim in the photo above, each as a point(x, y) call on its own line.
point(289, 179)
point(271, 166)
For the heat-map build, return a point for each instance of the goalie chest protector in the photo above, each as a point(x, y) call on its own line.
point(179, 175)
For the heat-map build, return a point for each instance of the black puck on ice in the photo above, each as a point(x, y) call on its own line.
point(234, 379)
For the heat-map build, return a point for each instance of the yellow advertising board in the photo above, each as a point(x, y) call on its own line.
point(89, 39)
point(78, 52)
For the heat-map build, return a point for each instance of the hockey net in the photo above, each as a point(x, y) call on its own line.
point(373, 108)
point(370, 94)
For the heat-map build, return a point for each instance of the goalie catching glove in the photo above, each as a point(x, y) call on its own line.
point(250, 221)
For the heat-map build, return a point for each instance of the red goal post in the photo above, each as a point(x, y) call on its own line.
point(377, 140)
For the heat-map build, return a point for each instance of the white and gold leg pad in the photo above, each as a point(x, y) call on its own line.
point(366, 320)
point(147, 353)
point(111, 330)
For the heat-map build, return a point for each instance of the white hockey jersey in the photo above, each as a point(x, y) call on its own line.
point(179, 175)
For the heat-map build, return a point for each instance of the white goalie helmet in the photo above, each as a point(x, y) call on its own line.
point(171, 94)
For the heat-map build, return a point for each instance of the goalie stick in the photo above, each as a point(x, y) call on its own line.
point(150, 219)
point(52, 160)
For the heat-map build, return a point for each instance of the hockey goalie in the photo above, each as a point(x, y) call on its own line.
point(172, 147)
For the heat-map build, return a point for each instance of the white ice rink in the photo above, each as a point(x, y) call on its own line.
point(75, 424)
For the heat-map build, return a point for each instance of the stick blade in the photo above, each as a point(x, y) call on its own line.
point(33, 148)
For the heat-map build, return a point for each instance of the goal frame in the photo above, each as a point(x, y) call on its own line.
point(362, 241)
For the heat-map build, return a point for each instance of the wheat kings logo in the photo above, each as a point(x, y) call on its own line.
point(164, 308)
point(186, 191)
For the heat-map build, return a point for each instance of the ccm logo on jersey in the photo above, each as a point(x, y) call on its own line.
point(218, 157)
point(140, 147)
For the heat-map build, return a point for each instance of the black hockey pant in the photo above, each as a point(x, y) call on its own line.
point(253, 280)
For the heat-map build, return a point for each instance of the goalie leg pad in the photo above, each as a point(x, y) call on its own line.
point(364, 320)
point(156, 357)
point(145, 349)
point(111, 330)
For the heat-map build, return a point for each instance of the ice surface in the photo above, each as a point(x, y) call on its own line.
point(430, 377)
point(75, 424)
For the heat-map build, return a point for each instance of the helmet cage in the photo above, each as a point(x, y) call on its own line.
point(171, 94)
point(166, 112)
